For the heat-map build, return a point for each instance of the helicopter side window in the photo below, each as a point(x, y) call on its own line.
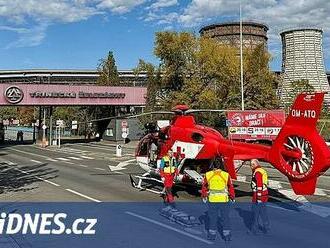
point(197, 137)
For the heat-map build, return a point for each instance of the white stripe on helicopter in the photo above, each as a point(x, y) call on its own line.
point(190, 150)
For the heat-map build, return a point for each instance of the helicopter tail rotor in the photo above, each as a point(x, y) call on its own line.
point(299, 151)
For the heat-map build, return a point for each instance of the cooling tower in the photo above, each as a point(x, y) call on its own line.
point(302, 58)
point(254, 34)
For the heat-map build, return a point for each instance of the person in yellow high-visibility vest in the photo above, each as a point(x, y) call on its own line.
point(168, 172)
point(218, 190)
point(259, 186)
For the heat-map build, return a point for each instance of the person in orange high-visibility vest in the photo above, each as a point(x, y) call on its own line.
point(168, 172)
point(218, 190)
point(259, 186)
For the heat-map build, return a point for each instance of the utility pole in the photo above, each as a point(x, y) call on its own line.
point(44, 129)
point(241, 54)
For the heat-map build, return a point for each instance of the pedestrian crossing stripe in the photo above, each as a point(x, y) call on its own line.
point(52, 160)
point(86, 157)
point(63, 159)
point(75, 158)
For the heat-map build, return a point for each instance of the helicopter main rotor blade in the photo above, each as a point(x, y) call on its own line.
point(207, 110)
point(151, 113)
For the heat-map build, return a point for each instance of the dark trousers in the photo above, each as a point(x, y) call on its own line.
point(259, 210)
point(213, 213)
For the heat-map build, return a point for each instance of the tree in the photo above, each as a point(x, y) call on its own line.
point(108, 71)
point(109, 76)
point(8, 113)
point(26, 115)
point(67, 114)
point(203, 73)
point(259, 80)
point(153, 83)
point(297, 87)
point(175, 51)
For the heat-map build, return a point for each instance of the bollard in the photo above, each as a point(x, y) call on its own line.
point(118, 150)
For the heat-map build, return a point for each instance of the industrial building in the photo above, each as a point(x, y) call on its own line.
point(74, 77)
point(83, 77)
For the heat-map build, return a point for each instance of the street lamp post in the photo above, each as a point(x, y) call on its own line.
point(241, 54)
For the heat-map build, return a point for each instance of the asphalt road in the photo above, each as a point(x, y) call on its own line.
point(80, 172)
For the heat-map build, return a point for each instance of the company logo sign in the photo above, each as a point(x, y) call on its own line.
point(14, 95)
point(309, 98)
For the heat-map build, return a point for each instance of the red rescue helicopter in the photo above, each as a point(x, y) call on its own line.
point(299, 152)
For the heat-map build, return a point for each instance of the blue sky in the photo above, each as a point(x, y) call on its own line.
point(75, 34)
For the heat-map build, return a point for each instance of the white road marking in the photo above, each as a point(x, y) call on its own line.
point(305, 204)
point(94, 147)
point(274, 184)
point(121, 165)
point(320, 192)
point(96, 168)
point(35, 161)
point(86, 157)
point(44, 180)
point(63, 159)
point(74, 158)
point(169, 228)
point(50, 159)
point(82, 195)
point(316, 209)
point(29, 153)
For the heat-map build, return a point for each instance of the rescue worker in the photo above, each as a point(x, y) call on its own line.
point(259, 188)
point(218, 190)
point(168, 172)
point(168, 158)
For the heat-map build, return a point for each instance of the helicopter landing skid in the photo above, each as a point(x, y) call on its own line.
point(143, 185)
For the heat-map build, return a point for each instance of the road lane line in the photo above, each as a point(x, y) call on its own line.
point(47, 181)
point(170, 228)
point(74, 158)
point(63, 159)
point(35, 161)
point(29, 153)
point(96, 168)
point(95, 147)
point(86, 157)
point(44, 180)
point(82, 195)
